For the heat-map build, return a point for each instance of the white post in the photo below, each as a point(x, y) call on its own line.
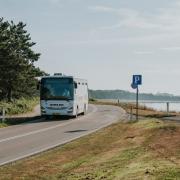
point(167, 108)
point(3, 115)
point(131, 113)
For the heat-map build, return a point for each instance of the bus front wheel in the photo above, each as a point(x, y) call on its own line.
point(85, 111)
point(76, 115)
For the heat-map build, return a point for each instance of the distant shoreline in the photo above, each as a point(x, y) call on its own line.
point(130, 97)
point(140, 101)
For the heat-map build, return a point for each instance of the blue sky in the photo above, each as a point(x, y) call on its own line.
point(105, 41)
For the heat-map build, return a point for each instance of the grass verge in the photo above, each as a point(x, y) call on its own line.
point(148, 149)
point(17, 107)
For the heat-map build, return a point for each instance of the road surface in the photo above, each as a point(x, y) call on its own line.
point(20, 141)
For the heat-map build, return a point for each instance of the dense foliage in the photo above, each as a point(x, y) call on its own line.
point(17, 70)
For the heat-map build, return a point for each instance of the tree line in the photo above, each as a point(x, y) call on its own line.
point(126, 95)
point(17, 58)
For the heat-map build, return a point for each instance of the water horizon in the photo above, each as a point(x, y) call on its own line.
point(156, 105)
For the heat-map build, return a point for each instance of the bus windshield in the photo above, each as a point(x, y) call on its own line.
point(57, 89)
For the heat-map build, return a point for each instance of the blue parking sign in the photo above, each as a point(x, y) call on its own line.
point(137, 80)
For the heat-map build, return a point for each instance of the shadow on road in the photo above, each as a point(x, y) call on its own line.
point(35, 119)
point(75, 131)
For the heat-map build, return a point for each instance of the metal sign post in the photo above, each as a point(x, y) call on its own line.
point(137, 80)
point(137, 103)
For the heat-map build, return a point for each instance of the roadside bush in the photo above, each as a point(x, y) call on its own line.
point(92, 100)
point(20, 106)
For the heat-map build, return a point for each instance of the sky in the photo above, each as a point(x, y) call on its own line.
point(105, 41)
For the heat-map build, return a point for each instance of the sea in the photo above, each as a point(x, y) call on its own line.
point(174, 106)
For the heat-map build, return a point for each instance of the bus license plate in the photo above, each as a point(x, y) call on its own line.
point(56, 114)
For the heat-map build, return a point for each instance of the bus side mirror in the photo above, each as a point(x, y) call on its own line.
point(75, 85)
point(38, 86)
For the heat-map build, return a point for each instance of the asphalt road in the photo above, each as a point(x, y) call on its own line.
point(20, 141)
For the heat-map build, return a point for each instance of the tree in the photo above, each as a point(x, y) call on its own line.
point(17, 70)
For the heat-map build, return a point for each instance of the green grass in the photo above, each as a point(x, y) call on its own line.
point(19, 106)
point(147, 149)
point(3, 125)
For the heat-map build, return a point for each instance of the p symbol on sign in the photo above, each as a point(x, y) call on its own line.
point(137, 79)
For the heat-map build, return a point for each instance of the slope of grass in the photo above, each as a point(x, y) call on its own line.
point(148, 149)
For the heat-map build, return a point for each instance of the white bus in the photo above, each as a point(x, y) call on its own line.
point(63, 95)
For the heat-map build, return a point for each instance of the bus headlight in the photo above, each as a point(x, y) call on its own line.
point(43, 110)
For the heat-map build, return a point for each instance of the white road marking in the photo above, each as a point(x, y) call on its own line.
point(55, 145)
point(46, 129)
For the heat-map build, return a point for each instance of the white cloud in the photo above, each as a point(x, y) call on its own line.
point(128, 18)
point(154, 31)
point(171, 48)
point(54, 1)
point(143, 52)
point(101, 9)
point(165, 19)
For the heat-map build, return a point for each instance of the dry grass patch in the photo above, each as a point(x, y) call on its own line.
point(146, 149)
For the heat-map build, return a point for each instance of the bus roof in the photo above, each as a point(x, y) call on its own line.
point(64, 76)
